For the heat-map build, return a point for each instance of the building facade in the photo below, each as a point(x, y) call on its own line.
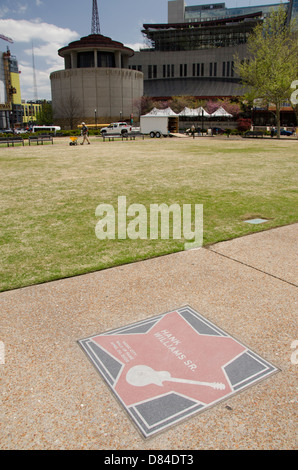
point(10, 92)
point(194, 53)
point(30, 110)
point(96, 85)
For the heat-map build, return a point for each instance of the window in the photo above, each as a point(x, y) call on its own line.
point(228, 69)
point(183, 70)
point(196, 69)
point(168, 71)
point(107, 59)
point(85, 59)
point(152, 71)
point(223, 69)
point(212, 69)
point(202, 70)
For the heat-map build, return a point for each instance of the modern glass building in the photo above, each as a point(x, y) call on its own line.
point(179, 12)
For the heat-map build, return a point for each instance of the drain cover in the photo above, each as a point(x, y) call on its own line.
point(256, 221)
point(169, 367)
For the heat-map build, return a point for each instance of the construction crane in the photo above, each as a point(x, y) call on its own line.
point(5, 38)
point(10, 90)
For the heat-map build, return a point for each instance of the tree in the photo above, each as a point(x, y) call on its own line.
point(272, 62)
point(69, 111)
point(45, 115)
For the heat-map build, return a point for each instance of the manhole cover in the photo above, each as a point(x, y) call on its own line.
point(256, 221)
point(169, 367)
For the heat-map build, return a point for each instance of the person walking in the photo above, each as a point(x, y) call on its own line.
point(193, 130)
point(85, 133)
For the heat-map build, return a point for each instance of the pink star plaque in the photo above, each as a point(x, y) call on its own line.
point(169, 367)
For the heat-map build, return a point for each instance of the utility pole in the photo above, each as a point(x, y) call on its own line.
point(34, 76)
point(95, 28)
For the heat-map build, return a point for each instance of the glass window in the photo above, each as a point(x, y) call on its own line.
point(106, 59)
point(228, 69)
point(85, 59)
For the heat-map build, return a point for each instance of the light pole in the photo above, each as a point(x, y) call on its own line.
point(95, 119)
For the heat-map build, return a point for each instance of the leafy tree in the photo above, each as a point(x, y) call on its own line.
point(272, 63)
point(45, 115)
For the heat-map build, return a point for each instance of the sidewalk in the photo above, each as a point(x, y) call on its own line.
point(53, 398)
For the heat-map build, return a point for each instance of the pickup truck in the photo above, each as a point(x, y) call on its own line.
point(116, 128)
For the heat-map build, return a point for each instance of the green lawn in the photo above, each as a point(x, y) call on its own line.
point(49, 195)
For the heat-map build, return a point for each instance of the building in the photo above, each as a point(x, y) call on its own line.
point(193, 54)
point(10, 92)
point(30, 111)
point(179, 12)
point(96, 85)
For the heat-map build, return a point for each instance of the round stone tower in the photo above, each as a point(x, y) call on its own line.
point(96, 85)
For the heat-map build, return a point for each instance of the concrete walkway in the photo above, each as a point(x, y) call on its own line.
point(53, 398)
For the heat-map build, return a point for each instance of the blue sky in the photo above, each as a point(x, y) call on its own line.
point(47, 25)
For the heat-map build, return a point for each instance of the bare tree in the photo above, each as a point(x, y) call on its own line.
point(69, 111)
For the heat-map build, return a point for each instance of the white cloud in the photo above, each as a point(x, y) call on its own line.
point(27, 31)
point(136, 46)
point(46, 40)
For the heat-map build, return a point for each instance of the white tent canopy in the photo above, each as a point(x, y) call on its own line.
point(197, 112)
point(221, 112)
point(202, 110)
point(161, 112)
point(189, 112)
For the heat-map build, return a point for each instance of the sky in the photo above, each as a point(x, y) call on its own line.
point(39, 28)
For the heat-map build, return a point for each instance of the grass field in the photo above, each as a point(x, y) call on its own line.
point(49, 195)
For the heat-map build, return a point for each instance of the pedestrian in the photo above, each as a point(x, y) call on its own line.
point(193, 129)
point(85, 133)
point(272, 132)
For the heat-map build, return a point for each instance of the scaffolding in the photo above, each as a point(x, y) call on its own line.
point(200, 35)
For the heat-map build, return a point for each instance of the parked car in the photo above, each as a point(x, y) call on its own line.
point(21, 131)
point(116, 128)
point(285, 132)
point(7, 131)
point(217, 130)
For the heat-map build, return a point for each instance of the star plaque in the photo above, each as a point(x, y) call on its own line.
point(167, 368)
